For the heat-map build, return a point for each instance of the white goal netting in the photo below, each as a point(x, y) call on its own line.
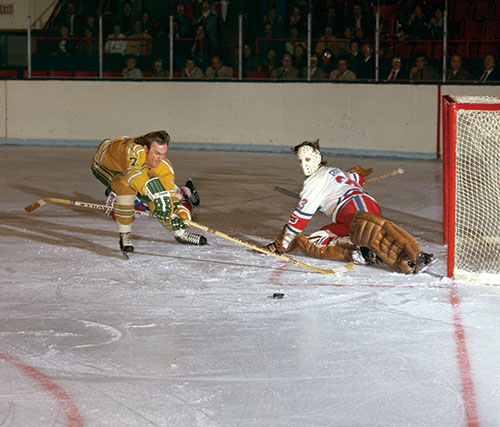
point(477, 210)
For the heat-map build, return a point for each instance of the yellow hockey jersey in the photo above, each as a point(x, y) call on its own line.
point(123, 155)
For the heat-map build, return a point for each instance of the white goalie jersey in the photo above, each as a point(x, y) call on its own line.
point(326, 190)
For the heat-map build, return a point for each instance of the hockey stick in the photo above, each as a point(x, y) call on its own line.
point(46, 200)
point(368, 181)
point(211, 230)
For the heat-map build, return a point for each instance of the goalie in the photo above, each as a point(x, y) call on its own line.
point(358, 233)
point(131, 167)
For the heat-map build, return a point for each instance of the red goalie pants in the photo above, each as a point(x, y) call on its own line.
point(346, 213)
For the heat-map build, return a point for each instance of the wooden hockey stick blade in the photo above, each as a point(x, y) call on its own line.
point(347, 267)
point(368, 181)
point(89, 205)
point(35, 205)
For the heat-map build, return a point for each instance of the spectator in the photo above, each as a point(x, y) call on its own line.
point(422, 70)
point(326, 41)
point(331, 19)
point(191, 71)
point(270, 61)
point(131, 71)
point(276, 22)
point(354, 57)
point(291, 44)
point(327, 61)
point(117, 45)
point(366, 69)
point(141, 46)
point(299, 57)
point(250, 61)
point(342, 48)
point(362, 23)
point(287, 71)
point(202, 45)
point(267, 43)
point(64, 46)
point(297, 20)
point(158, 71)
point(92, 24)
point(436, 23)
point(71, 20)
point(418, 24)
point(397, 72)
point(490, 71)
point(316, 72)
point(456, 72)
point(148, 25)
point(218, 70)
point(185, 24)
point(126, 18)
point(88, 46)
point(342, 72)
point(209, 20)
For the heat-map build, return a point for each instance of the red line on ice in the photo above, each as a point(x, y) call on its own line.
point(468, 392)
point(67, 405)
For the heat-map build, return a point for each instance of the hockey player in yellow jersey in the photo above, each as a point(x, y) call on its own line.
point(138, 167)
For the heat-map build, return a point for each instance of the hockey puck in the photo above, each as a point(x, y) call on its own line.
point(278, 295)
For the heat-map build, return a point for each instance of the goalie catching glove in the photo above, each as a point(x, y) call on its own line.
point(394, 246)
point(155, 190)
point(363, 172)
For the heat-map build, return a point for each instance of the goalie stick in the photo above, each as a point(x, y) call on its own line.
point(211, 230)
point(368, 181)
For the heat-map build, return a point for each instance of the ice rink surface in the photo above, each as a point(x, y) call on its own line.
point(190, 336)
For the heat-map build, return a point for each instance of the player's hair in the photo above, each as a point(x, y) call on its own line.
point(159, 136)
point(313, 144)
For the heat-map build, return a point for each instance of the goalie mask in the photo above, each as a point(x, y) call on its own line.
point(309, 158)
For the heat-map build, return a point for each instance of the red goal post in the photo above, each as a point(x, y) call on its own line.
point(471, 187)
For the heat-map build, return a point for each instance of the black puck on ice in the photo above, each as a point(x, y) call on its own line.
point(278, 295)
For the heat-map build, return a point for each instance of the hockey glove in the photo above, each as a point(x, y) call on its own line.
point(177, 223)
point(177, 219)
point(156, 192)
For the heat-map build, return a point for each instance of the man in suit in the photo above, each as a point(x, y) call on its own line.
point(490, 71)
point(397, 72)
point(456, 72)
point(287, 71)
point(218, 70)
point(366, 69)
point(422, 71)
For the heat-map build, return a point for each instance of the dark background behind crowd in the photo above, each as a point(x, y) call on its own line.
point(274, 33)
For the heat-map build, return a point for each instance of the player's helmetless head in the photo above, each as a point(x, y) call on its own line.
point(155, 154)
point(155, 145)
point(310, 158)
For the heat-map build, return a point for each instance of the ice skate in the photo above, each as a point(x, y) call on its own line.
point(182, 236)
point(126, 244)
point(194, 197)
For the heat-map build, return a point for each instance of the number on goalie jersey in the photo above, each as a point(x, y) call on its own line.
point(334, 193)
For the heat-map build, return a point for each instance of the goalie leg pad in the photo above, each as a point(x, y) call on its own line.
point(394, 246)
point(325, 245)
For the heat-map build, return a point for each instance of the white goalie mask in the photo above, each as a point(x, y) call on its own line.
point(309, 158)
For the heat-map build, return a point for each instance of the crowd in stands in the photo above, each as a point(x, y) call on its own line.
point(275, 31)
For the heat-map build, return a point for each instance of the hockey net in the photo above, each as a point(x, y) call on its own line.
point(471, 162)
